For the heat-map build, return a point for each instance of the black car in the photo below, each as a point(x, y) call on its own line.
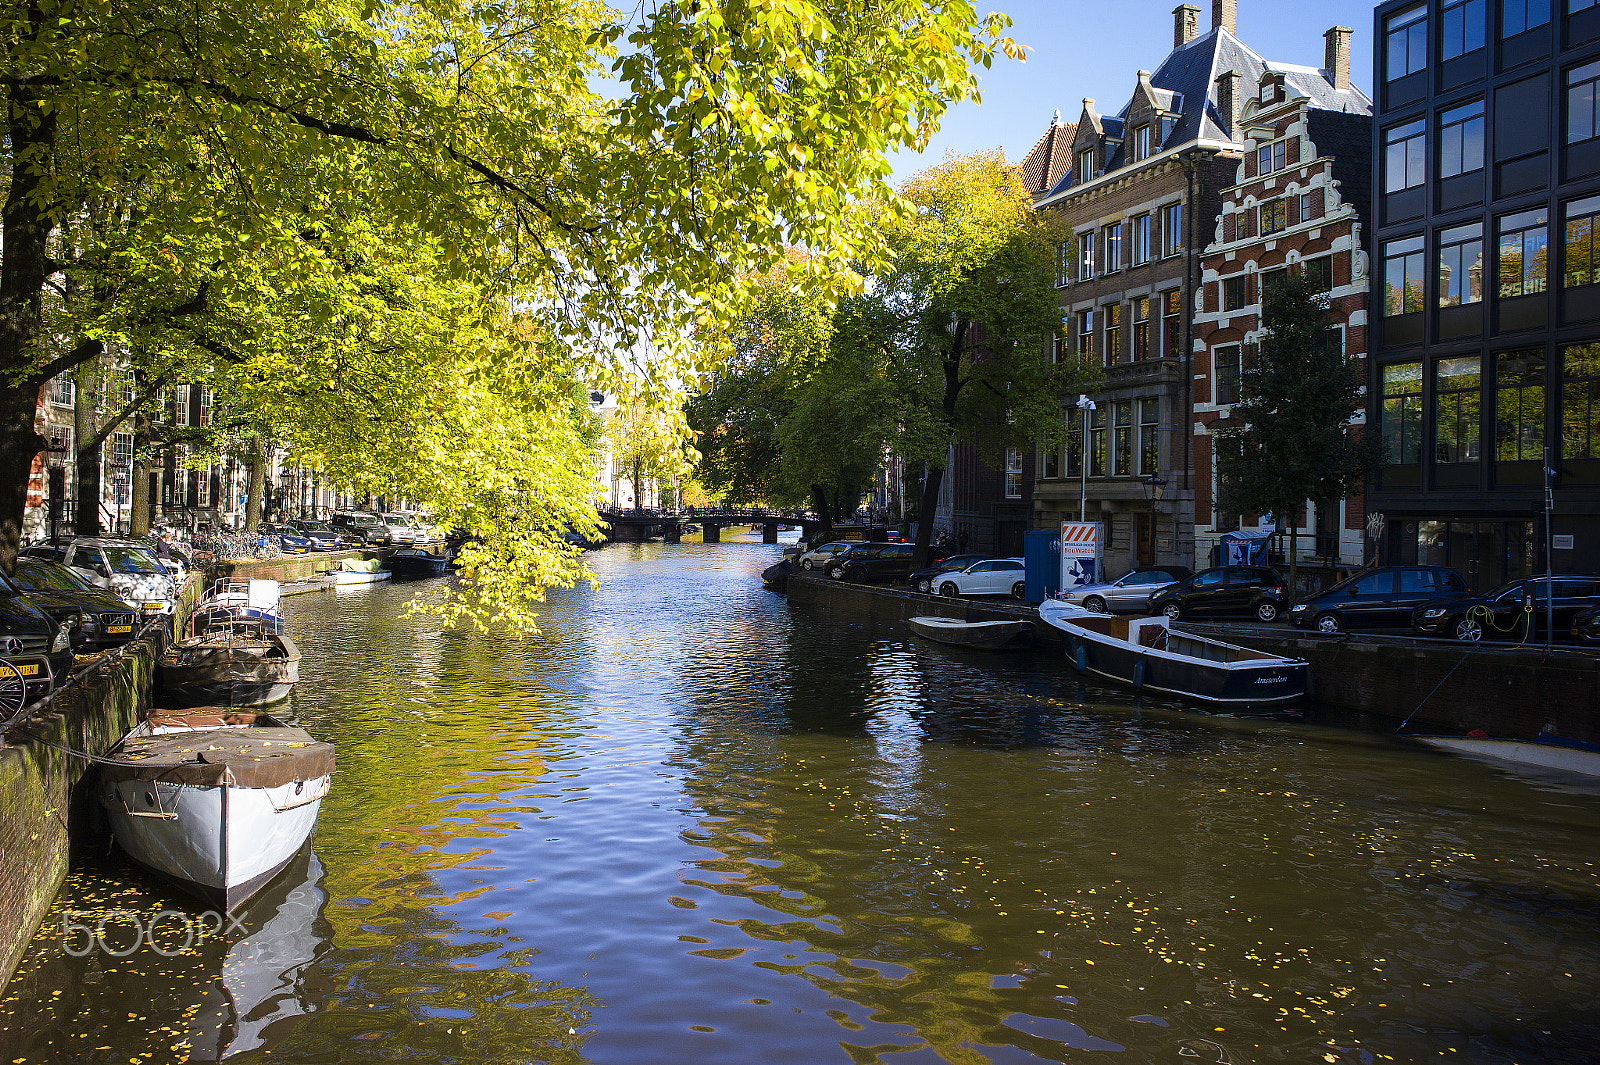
point(924, 579)
point(1586, 626)
point(1377, 599)
point(45, 551)
point(322, 537)
point(32, 645)
point(1224, 592)
point(1515, 610)
point(872, 562)
point(97, 619)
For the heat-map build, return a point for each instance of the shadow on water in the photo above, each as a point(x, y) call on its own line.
point(687, 823)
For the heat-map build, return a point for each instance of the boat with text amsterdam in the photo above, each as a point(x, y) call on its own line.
point(217, 800)
point(978, 635)
point(1145, 653)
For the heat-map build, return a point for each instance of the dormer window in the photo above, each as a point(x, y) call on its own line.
point(1086, 168)
point(1141, 143)
point(1271, 158)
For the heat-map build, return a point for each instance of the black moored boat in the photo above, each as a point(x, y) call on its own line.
point(978, 635)
point(411, 563)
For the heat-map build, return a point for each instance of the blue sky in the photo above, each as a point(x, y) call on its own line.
point(1096, 47)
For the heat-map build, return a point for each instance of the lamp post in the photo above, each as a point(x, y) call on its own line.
point(1153, 487)
point(1085, 404)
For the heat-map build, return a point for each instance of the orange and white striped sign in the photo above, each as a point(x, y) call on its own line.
point(1081, 549)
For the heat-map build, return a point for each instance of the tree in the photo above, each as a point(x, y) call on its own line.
point(646, 446)
point(1290, 439)
point(286, 175)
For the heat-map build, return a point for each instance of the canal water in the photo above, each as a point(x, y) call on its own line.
point(690, 824)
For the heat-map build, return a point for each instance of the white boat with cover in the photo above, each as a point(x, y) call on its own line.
point(981, 635)
point(358, 571)
point(216, 800)
point(1146, 653)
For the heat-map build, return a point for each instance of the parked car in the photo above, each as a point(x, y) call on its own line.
point(926, 580)
point(1377, 599)
point(404, 529)
point(992, 576)
point(290, 540)
point(1129, 594)
point(32, 644)
point(1586, 626)
point(368, 528)
point(872, 562)
point(126, 568)
point(323, 537)
point(819, 557)
point(96, 618)
point(47, 552)
point(1500, 612)
point(1227, 591)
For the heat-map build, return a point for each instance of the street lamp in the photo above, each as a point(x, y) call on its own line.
point(1153, 487)
point(1086, 405)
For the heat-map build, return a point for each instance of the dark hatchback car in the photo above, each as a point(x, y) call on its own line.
point(1377, 599)
point(872, 562)
point(360, 525)
point(31, 644)
point(323, 537)
point(926, 580)
point(1586, 626)
point(1224, 592)
point(1511, 611)
point(97, 619)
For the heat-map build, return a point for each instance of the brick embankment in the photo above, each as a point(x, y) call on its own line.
point(1443, 686)
point(46, 797)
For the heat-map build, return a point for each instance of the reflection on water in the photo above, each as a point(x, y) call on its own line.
point(688, 823)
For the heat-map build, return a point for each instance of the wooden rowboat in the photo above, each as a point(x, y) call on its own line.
point(979, 635)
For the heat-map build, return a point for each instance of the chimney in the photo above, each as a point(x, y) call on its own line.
point(1338, 60)
point(1185, 24)
point(1225, 14)
point(1229, 101)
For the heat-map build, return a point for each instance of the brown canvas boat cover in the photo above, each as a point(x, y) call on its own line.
point(246, 756)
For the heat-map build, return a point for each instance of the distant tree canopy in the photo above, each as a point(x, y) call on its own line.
point(328, 212)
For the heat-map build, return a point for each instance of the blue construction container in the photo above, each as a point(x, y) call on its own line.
point(1041, 552)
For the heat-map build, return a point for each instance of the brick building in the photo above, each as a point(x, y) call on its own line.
point(1299, 204)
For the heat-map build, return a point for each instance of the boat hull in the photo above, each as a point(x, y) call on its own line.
point(1564, 758)
point(414, 567)
point(242, 674)
point(978, 635)
point(351, 577)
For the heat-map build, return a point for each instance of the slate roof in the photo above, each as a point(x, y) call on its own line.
point(1188, 76)
point(1348, 139)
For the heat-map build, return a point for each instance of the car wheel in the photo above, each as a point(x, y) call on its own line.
point(1019, 590)
point(923, 586)
point(1267, 612)
point(949, 590)
point(1328, 623)
point(1469, 630)
point(1173, 611)
point(837, 573)
point(1095, 603)
point(806, 563)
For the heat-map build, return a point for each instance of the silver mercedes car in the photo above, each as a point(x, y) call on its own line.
point(1129, 594)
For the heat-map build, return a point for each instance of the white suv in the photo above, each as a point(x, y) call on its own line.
point(994, 576)
point(127, 569)
point(404, 529)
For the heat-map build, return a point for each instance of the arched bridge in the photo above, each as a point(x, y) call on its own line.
point(637, 525)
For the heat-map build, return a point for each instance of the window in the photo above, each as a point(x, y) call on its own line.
point(121, 493)
point(1307, 209)
point(1234, 293)
point(1013, 473)
point(1406, 42)
point(1073, 466)
point(1051, 461)
point(1271, 158)
point(1402, 276)
point(1580, 402)
point(1583, 118)
point(208, 399)
point(1225, 373)
point(1402, 412)
point(1461, 265)
point(203, 487)
point(1172, 229)
point(1061, 347)
point(1171, 323)
point(61, 440)
point(1141, 328)
point(1580, 5)
point(61, 389)
point(122, 449)
point(1086, 335)
point(1318, 273)
point(1086, 165)
point(1085, 255)
point(1274, 216)
point(1114, 247)
point(180, 405)
point(1064, 263)
point(1461, 140)
point(1455, 428)
point(123, 386)
point(1141, 240)
point(1519, 406)
point(1097, 442)
point(1141, 143)
point(1149, 436)
point(1405, 148)
point(1122, 439)
point(1523, 248)
point(1519, 16)
point(1581, 266)
point(1113, 345)
point(1461, 27)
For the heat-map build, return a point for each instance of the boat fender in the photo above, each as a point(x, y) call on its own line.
point(1082, 660)
point(1138, 674)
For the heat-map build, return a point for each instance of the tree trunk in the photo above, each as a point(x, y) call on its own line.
point(1294, 554)
point(139, 500)
point(819, 500)
point(929, 504)
point(258, 483)
point(87, 440)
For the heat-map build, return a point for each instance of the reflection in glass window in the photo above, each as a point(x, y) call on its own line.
point(1149, 436)
point(1402, 412)
point(1583, 117)
point(1461, 27)
point(1580, 402)
point(1519, 406)
point(1122, 440)
point(1461, 140)
point(1097, 442)
point(1113, 348)
point(1404, 155)
point(1461, 265)
point(1402, 276)
point(1225, 361)
point(1406, 42)
point(1581, 267)
point(1520, 16)
point(1524, 248)
point(1456, 409)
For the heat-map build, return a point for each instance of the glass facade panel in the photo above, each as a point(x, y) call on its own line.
point(1524, 250)
point(1405, 156)
point(1583, 118)
point(1402, 276)
point(1457, 410)
point(1580, 402)
point(1520, 16)
point(1402, 412)
point(1461, 265)
point(1519, 406)
point(1580, 266)
point(1406, 42)
point(1461, 140)
point(1461, 27)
